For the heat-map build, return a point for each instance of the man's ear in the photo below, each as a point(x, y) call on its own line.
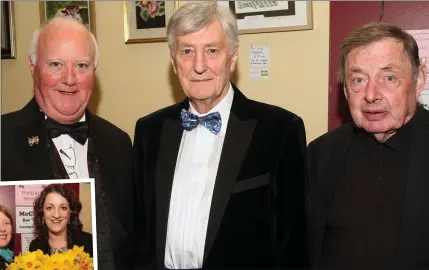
point(173, 63)
point(31, 66)
point(421, 79)
point(234, 58)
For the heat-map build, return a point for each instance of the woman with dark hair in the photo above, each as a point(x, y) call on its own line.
point(6, 255)
point(56, 219)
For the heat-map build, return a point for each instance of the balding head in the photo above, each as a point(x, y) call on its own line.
point(59, 25)
point(63, 62)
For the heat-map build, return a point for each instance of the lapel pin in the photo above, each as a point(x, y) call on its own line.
point(33, 140)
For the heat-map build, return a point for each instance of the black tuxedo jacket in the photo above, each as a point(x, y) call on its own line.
point(82, 239)
point(257, 215)
point(20, 161)
point(325, 159)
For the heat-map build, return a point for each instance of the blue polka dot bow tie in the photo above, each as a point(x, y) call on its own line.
point(211, 121)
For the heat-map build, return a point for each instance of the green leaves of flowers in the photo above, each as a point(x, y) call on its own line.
point(144, 14)
point(161, 10)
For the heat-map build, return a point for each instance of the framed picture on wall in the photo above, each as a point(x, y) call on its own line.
point(146, 21)
point(271, 16)
point(7, 31)
point(83, 11)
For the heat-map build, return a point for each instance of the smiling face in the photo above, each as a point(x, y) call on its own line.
point(380, 88)
point(203, 62)
point(56, 213)
point(5, 230)
point(64, 73)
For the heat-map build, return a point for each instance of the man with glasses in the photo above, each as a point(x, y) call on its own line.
point(55, 136)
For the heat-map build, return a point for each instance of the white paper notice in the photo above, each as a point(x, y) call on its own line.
point(24, 219)
point(25, 241)
point(259, 61)
point(422, 38)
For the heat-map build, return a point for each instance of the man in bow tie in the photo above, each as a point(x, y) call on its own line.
point(220, 178)
point(55, 136)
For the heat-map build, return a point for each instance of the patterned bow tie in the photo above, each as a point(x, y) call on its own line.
point(78, 131)
point(211, 121)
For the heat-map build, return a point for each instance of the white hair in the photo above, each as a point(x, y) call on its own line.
point(36, 36)
point(192, 17)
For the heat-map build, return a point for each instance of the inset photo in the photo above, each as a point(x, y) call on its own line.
point(49, 223)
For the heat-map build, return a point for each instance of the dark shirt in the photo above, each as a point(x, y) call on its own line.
point(364, 219)
point(2, 263)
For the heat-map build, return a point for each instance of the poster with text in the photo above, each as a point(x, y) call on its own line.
point(26, 239)
point(422, 39)
point(24, 219)
point(26, 194)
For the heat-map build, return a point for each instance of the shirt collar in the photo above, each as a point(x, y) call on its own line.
point(223, 107)
point(400, 141)
point(82, 119)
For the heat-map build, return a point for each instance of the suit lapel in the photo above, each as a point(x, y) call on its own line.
point(36, 155)
point(237, 140)
point(171, 136)
point(98, 149)
point(414, 214)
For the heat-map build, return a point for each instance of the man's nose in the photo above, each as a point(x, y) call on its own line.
point(200, 63)
point(69, 76)
point(372, 92)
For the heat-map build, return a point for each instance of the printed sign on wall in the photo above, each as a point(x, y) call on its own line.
point(26, 194)
point(24, 219)
point(25, 241)
point(422, 39)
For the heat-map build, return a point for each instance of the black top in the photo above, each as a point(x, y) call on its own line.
point(82, 239)
point(364, 219)
point(2, 263)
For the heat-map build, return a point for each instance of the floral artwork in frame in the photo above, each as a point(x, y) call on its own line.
point(83, 11)
point(146, 21)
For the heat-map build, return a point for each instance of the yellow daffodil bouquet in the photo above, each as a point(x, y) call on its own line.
point(74, 259)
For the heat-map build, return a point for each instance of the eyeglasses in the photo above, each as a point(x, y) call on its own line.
point(69, 161)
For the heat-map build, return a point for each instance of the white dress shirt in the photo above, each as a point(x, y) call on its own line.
point(73, 155)
point(191, 195)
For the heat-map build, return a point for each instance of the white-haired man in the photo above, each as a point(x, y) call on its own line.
point(55, 136)
point(220, 177)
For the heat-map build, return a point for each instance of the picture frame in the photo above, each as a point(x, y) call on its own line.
point(271, 16)
point(8, 46)
point(146, 21)
point(84, 11)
